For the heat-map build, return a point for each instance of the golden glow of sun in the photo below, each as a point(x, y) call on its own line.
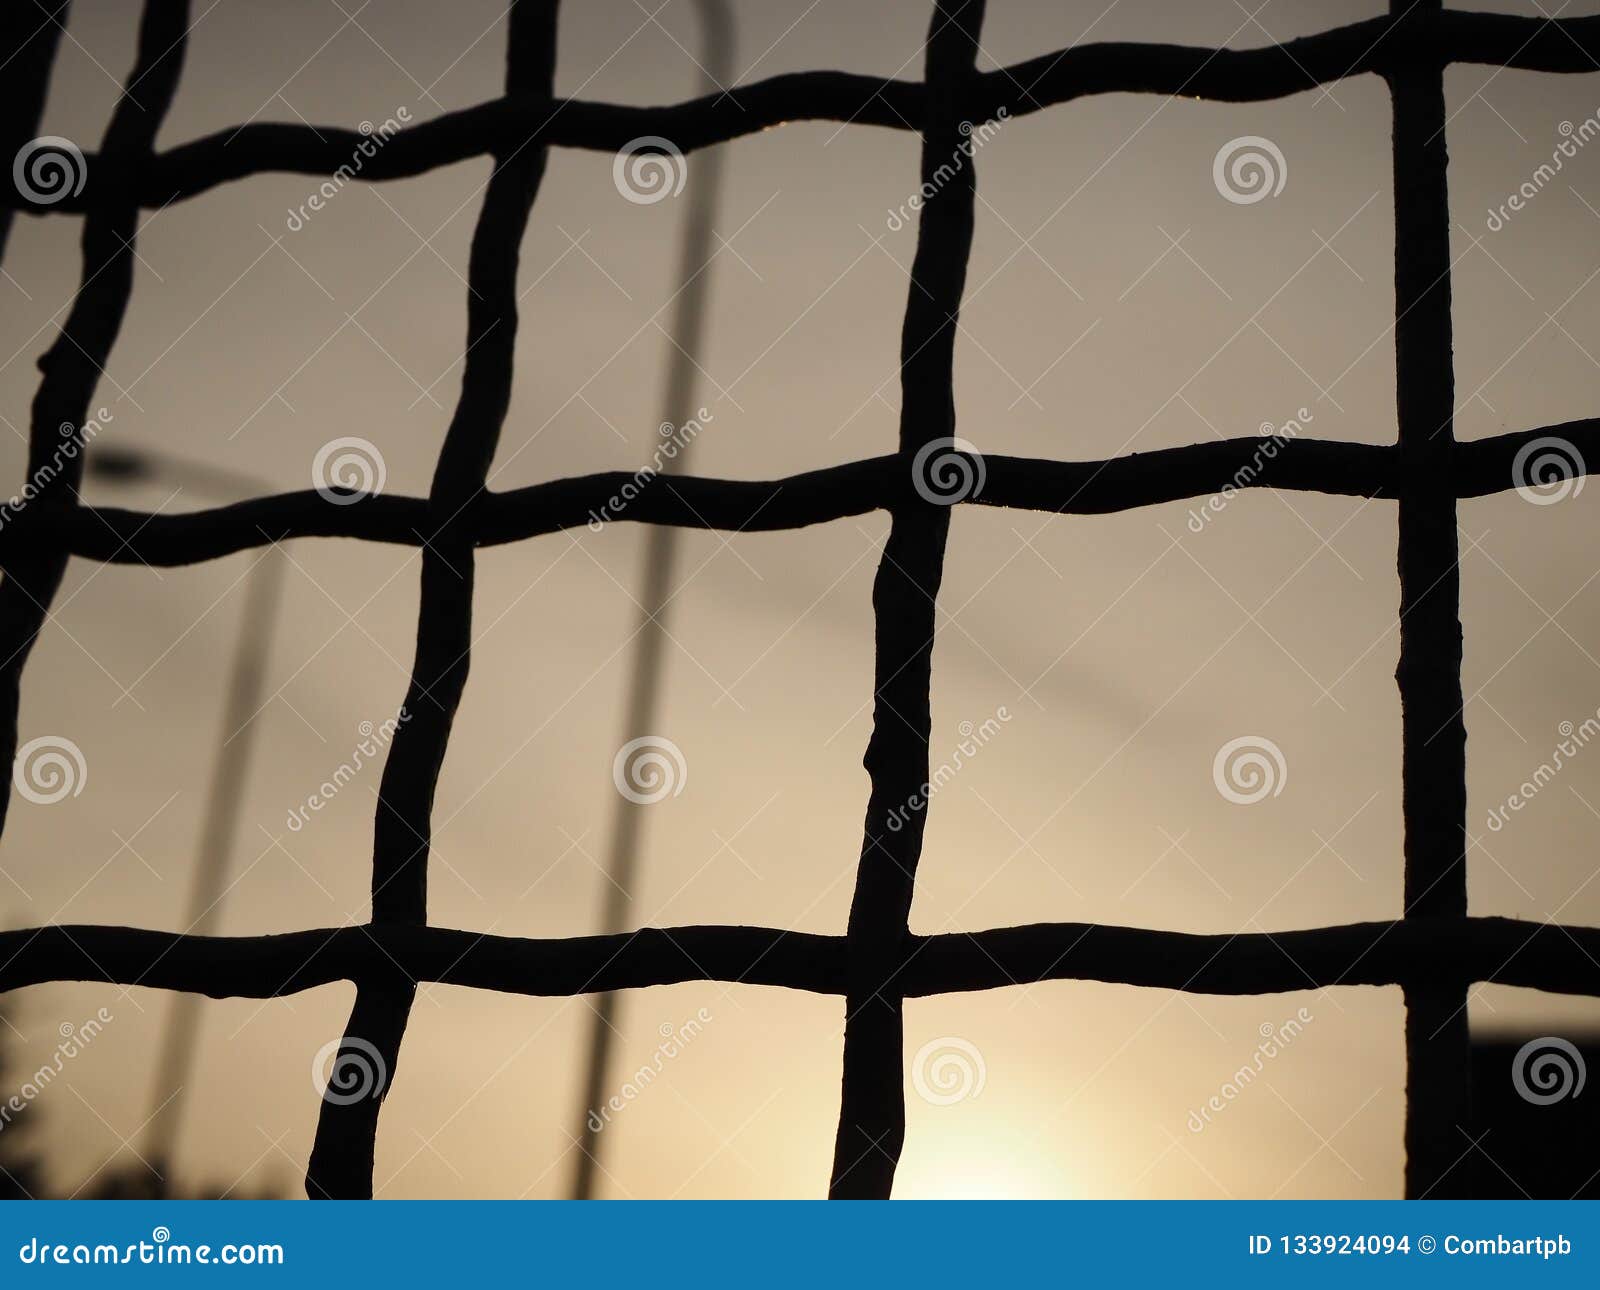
point(962, 1166)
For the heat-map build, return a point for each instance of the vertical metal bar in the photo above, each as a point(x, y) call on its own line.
point(1429, 673)
point(872, 1117)
point(661, 549)
point(29, 37)
point(71, 367)
point(342, 1156)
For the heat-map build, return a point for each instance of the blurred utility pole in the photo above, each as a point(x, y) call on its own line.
point(219, 832)
point(661, 548)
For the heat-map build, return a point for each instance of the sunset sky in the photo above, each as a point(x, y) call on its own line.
point(1116, 303)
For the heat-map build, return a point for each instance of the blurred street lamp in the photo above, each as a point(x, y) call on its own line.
point(219, 831)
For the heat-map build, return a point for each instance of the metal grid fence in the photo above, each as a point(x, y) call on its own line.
point(1434, 952)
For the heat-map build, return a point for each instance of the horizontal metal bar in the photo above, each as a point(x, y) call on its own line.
point(118, 536)
point(1542, 956)
point(1568, 45)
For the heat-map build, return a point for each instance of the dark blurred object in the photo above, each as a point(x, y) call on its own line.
point(20, 1177)
point(119, 464)
point(1536, 1120)
point(123, 464)
point(236, 742)
point(656, 592)
point(136, 1182)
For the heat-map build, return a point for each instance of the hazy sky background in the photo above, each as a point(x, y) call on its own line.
point(1115, 303)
